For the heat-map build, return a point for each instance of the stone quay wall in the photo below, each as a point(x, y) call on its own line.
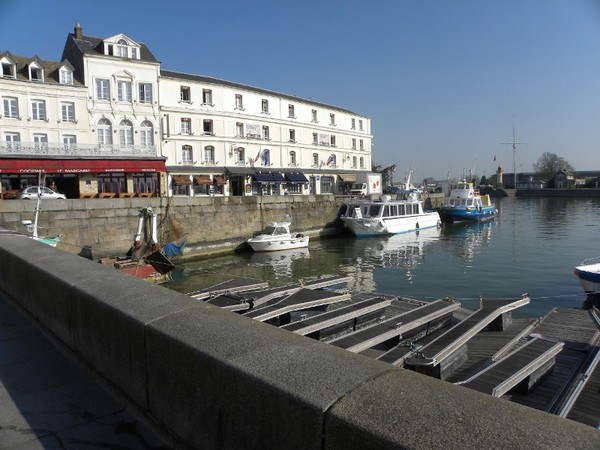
point(209, 225)
point(210, 378)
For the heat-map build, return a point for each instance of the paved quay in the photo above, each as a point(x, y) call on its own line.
point(48, 401)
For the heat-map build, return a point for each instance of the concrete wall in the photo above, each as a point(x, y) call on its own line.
point(214, 379)
point(208, 224)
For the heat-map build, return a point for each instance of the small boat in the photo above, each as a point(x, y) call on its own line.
point(277, 236)
point(588, 273)
point(465, 203)
point(33, 227)
point(387, 216)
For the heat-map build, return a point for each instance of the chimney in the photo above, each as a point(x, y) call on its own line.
point(78, 32)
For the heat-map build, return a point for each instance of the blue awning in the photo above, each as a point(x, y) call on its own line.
point(278, 177)
point(264, 177)
point(296, 177)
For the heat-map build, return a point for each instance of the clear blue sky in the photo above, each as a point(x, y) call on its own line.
point(441, 80)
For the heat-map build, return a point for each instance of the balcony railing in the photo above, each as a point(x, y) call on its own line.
point(93, 150)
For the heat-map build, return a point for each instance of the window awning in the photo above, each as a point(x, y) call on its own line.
point(240, 170)
point(348, 177)
point(202, 179)
point(296, 177)
point(264, 177)
point(278, 177)
point(220, 180)
point(26, 165)
point(181, 180)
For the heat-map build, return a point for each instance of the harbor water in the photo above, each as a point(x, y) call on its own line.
point(530, 247)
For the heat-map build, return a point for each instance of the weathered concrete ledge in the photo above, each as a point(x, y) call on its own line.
point(214, 379)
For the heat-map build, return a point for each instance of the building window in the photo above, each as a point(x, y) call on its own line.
point(207, 97)
point(187, 155)
point(207, 127)
point(8, 70)
point(266, 132)
point(292, 158)
point(332, 140)
point(65, 76)
point(124, 91)
point(240, 155)
point(326, 185)
point(186, 125)
point(315, 160)
point(239, 102)
point(353, 123)
point(291, 112)
point(145, 92)
point(360, 124)
point(209, 154)
point(315, 139)
point(104, 132)
point(353, 144)
point(354, 162)
point(125, 133)
point(69, 142)
point(292, 135)
point(67, 112)
point(332, 119)
point(265, 106)
point(13, 141)
point(123, 49)
point(40, 142)
point(103, 89)
point(362, 162)
point(361, 144)
point(36, 73)
point(38, 110)
point(314, 116)
point(11, 107)
point(146, 134)
point(239, 130)
point(185, 94)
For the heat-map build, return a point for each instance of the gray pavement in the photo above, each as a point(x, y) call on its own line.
point(47, 401)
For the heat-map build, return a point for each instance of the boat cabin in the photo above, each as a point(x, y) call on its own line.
point(391, 209)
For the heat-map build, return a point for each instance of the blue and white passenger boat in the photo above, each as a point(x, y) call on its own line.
point(588, 273)
point(466, 204)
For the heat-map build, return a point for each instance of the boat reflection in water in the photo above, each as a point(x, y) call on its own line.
point(280, 262)
point(400, 251)
point(467, 238)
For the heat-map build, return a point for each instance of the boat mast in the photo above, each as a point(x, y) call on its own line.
point(37, 206)
point(514, 144)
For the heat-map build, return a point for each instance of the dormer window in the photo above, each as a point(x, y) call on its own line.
point(65, 76)
point(8, 69)
point(36, 73)
point(122, 47)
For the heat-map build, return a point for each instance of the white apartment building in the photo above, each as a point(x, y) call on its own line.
point(134, 129)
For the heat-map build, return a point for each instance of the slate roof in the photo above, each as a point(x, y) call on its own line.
point(51, 68)
point(90, 45)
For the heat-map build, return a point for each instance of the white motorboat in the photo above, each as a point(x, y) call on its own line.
point(387, 216)
point(465, 203)
point(588, 273)
point(277, 236)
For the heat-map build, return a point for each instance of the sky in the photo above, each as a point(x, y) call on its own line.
point(443, 82)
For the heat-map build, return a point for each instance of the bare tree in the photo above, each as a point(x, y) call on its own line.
point(549, 164)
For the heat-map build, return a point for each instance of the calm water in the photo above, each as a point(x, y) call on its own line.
point(531, 247)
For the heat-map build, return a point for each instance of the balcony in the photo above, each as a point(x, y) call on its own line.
point(17, 149)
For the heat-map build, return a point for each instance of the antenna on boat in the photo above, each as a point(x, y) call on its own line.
point(514, 144)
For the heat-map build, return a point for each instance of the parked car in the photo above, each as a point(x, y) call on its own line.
point(32, 192)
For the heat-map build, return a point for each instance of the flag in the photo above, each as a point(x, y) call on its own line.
point(257, 156)
point(494, 157)
point(330, 160)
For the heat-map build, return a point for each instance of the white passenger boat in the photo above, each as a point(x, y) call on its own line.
point(277, 236)
point(387, 216)
point(588, 273)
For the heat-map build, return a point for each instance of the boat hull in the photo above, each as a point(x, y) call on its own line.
point(362, 227)
point(589, 277)
point(271, 245)
point(455, 214)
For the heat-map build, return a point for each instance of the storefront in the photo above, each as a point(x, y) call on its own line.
point(86, 178)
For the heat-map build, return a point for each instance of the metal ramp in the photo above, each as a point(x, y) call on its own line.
point(235, 285)
point(522, 368)
point(301, 299)
point(440, 357)
point(395, 326)
point(337, 316)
